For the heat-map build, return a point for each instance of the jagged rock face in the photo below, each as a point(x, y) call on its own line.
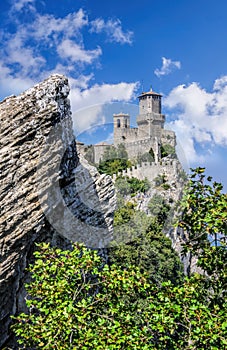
point(46, 192)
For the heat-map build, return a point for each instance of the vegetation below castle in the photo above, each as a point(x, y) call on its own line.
point(131, 186)
point(167, 150)
point(114, 160)
point(140, 299)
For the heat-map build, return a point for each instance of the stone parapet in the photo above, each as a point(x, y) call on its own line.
point(151, 170)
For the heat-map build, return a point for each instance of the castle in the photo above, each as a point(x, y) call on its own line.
point(149, 136)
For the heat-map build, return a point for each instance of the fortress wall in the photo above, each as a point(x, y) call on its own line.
point(138, 147)
point(98, 152)
point(133, 148)
point(151, 170)
point(130, 134)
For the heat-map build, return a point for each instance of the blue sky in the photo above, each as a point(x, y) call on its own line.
point(111, 51)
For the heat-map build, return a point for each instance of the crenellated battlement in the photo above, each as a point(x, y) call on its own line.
point(151, 170)
point(148, 136)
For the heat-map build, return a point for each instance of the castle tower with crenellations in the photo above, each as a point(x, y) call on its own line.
point(150, 133)
point(150, 119)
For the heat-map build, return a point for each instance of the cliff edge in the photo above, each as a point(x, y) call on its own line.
point(47, 193)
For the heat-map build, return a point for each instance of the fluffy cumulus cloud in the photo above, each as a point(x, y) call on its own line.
point(200, 118)
point(76, 53)
point(30, 49)
point(47, 27)
point(34, 45)
point(113, 30)
point(167, 67)
point(87, 104)
point(21, 4)
point(11, 84)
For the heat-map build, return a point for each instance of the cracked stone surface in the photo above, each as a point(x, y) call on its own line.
point(47, 193)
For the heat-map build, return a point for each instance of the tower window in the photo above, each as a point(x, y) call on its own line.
point(118, 123)
point(126, 123)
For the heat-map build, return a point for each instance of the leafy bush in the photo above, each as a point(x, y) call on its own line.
point(77, 303)
point(113, 166)
point(124, 214)
point(160, 180)
point(159, 208)
point(167, 150)
point(123, 186)
point(166, 186)
point(132, 186)
point(204, 218)
point(146, 157)
point(139, 241)
point(114, 160)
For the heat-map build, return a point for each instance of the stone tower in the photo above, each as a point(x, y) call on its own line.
point(150, 119)
point(121, 125)
point(150, 134)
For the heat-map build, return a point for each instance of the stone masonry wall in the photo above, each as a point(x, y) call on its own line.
point(152, 170)
point(139, 147)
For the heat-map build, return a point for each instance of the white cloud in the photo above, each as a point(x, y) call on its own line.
point(113, 29)
point(72, 51)
point(201, 117)
point(81, 82)
point(103, 93)
point(87, 104)
point(48, 27)
point(12, 84)
point(42, 44)
point(24, 56)
point(24, 51)
point(45, 44)
point(87, 118)
point(167, 67)
point(220, 83)
point(21, 4)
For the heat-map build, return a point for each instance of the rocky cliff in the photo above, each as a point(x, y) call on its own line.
point(46, 192)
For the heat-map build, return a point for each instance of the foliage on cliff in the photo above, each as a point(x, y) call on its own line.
point(114, 160)
point(152, 252)
point(146, 157)
point(131, 186)
point(204, 219)
point(139, 241)
point(77, 302)
point(166, 150)
point(159, 208)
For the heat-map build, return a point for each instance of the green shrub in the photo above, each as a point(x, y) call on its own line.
point(113, 166)
point(166, 186)
point(167, 150)
point(132, 186)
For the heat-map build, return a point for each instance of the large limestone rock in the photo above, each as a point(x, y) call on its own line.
point(46, 192)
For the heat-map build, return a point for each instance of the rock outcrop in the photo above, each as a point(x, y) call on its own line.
point(46, 192)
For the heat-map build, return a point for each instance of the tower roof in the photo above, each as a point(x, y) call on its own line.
point(149, 93)
point(121, 114)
